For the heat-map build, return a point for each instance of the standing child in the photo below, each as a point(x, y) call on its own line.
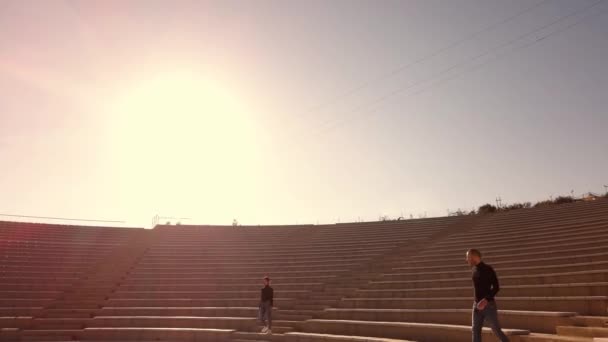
point(266, 302)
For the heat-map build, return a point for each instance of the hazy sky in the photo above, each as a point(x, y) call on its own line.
point(298, 111)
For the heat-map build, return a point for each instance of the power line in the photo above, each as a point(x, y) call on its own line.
point(440, 81)
point(420, 60)
point(60, 218)
point(534, 42)
point(424, 58)
point(456, 65)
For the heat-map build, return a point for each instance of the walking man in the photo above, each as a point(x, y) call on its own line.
point(486, 287)
point(266, 302)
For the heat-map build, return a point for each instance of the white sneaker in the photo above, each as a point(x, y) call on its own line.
point(264, 330)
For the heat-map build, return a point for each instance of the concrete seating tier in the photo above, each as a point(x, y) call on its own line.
point(376, 281)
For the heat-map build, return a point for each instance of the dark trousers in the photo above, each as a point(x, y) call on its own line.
point(266, 314)
point(488, 314)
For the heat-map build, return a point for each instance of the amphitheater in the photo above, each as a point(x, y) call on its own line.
point(375, 281)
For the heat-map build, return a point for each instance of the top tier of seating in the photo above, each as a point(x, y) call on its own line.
point(62, 234)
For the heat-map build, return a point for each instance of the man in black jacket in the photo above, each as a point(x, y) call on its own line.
point(266, 302)
point(486, 288)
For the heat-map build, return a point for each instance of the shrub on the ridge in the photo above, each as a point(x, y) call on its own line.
point(544, 203)
point(486, 209)
point(460, 212)
point(515, 206)
point(563, 199)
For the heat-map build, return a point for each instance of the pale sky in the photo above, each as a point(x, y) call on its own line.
point(283, 112)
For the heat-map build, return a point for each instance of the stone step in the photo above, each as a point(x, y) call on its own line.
point(590, 321)
point(232, 281)
point(397, 280)
point(536, 321)
point(181, 322)
point(583, 305)
point(48, 335)
point(162, 334)
point(311, 307)
point(20, 311)
point(299, 312)
point(312, 337)
point(537, 337)
point(59, 323)
point(582, 331)
point(257, 336)
point(401, 330)
point(327, 297)
point(182, 311)
point(190, 302)
point(75, 305)
point(276, 269)
point(317, 286)
point(66, 313)
point(201, 294)
point(292, 325)
point(544, 290)
point(338, 290)
point(30, 294)
point(293, 317)
point(280, 329)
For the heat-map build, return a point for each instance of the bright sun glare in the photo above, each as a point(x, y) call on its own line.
point(183, 135)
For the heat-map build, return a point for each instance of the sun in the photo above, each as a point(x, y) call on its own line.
point(181, 103)
point(183, 132)
point(174, 113)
